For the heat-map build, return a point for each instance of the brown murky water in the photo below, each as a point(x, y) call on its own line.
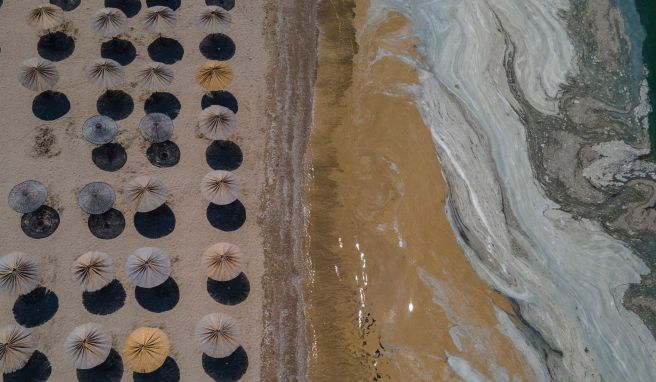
point(389, 291)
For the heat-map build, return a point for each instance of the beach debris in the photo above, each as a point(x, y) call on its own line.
point(148, 267)
point(19, 273)
point(96, 198)
point(156, 127)
point(105, 73)
point(38, 74)
point(27, 196)
point(217, 122)
point(93, 270)
point(155, 76)
point(214, 75)
point(159, 19)
point(99, 129)
point(88, 345)
point(213, 19)
point(220, 187)
point(146, 192)
point(45, 17)
point(224, 261)
point(16, 348)
point(109, 22)
point(218, 335)
point(146, 349)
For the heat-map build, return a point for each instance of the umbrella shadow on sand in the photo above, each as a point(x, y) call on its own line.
point(163, 154)
point(35, 308)
point(162, 102)
point(228, 369)
point(221, 98)
point(109, 371)
point(115, 104)
point(173, 4)
point(161, 298)
point(224, 155)
point(121, 51)
point(168, 372)
point(109, 157)
point(165, 50)
point(225, 4)
point(50, 105)
point(55, 46)
point(37, 369)
point(106, 300)
point(129, 7)
point(108, 225)
point(231, 292)
point(156, 223)
point(217, 46)
point(229, 217)
point(66, 5)
point(40, 223)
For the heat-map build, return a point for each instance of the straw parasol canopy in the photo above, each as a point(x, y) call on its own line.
point(19, 273)
point(146, 349)
point(16, 348)
point(99, 129)
point(224, 261)
point(218, 335)
point(38, 74)
point(27, 196)
point(156, 127)
point(146, 192)
point(45, 17)
point(220, 187)
point(109, 22)
point(213, 19)
point(88, 346)
point(96, 198)
point(93, 271)
point(105, 73)
point(159, 19)
point(148, 267)
point(214, 75)
point(155, 76)
point(217, 122)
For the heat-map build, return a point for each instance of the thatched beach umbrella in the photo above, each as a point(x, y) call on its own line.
point(105, 73)
point(27, 196)
point(19, 273)
point(148, 267)
point(156, 127)
point(220, 187)
point(109, 22)
point(218, 335)
point(213, 19)
point(146, 349)
point(16, 348)
point(96, 198)
point(93, 270)
point(45, 17)
point(224, 261)
point(99, 129)
point(217, 122)
point(88, 346)
point(38, 74)
point(214, 75)
point(158, 19)
point(155, 76)
point(146, 192)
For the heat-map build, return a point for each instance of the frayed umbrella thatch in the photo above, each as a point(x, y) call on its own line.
point(16, 348)
point(93, 271)
point(217, 122)
point(19, 273)
point(38, 74)
point(99, 129)
point(218, 335)
point(146, 192)
point(45, 17)
point(224, 261)
point(146, 349)
point(213, 19)
point(109, 22)
point(96, 198)
point(148, 267)
point(88, 346)
point(105, 73)
point(159, 19)
point(156, 127)
point(27, 196)
point(155, 76)
point(220, 187)
point(214, 75)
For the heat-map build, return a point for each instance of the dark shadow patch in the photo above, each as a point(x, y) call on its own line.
point(37, 369)
point(156, 223)
point(55, 46)
point(161, 298)
point(221, 98)
point(50, 105)
point(109, 157)
point(66, 5)
point(168, 372)
point(106, 300)
point(173, 4)
point(217, 46)
point(228, 369)
point(41, 223)
point(121, 51)
point(165, 50)
point(109, 371)
point(165, 103)
point(115, 104)
point(108, 225)
point(35, 308)
point(224, 155)
point(225, 4)
point(129, 7)
point(227, 218)
point(230, 292)
point(163, 154)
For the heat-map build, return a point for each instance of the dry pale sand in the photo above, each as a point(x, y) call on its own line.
point(68, 167)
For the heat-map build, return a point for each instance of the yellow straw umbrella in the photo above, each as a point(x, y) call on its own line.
point(214, 75)
point(146, 349)
point(224, 261)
